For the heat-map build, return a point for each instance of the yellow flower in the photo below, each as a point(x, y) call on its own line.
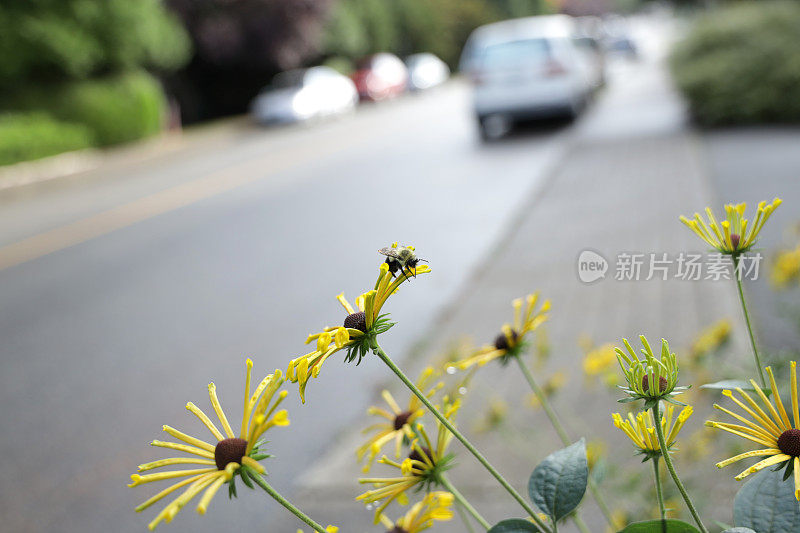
point(512, 339)
point(642, 431)
point(228, 456)
point(422, 468)
point(786, 267)
point(731, 236)
point(711, 338)
point(641, 373)
point(598, 360)
point(595, 450)
point(770, 428)
point(329, 529)
point(494, 416)
point(358, 332)
point(399, 421)
point(434, 506)
point(553, 384)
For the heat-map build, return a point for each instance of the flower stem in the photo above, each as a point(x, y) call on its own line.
point(286, 503)
point(658, 489)
point(736, 259)
point(457, 434)
point(464, 518)
point(667, 461)
point(463, 502)
point(564, 436)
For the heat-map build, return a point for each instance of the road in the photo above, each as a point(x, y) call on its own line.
point(127, 289)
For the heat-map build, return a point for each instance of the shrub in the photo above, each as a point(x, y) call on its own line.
point(25, 136)
point(741, 64)
point(115, 109)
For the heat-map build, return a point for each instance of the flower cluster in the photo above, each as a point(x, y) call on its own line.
point(731, 236)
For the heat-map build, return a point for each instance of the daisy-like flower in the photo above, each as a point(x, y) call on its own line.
point(511, 341)
point(435, 506)
point(711, 338)
point(731, 236)
point(769, 427)
point(357, 335)
point(642, 375)
point(786, 267)
point(230, 455)
point(422, 469)
point(399, 421)
point(642, 432)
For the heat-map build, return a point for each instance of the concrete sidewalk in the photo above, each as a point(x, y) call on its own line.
point(618, 190)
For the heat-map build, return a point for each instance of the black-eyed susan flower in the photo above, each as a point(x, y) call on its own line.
point(398, 422)
point(228, 456)
point(511, 341)
point(731, 236)
point(786, 268)
point(421, 470)
point(357, 334)
point(768, 426)
point(650, 379)
point(435, 506)
point(642, 432)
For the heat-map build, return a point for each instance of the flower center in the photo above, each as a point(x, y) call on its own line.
point(229, 451)
point(501, 342)
point(662, 384)
point(735, 240)
point(401, 420)
point(356, 321)
point(416, 456)
point(397, 529)
point(789, 442)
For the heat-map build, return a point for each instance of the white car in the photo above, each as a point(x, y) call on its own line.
point(304, 94)
point(530, 67)
point(426, 71)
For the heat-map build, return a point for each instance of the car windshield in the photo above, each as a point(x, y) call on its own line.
point(514, 53)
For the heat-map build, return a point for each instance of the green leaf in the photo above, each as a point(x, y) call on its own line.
point(660, 526)
point(513, 525)
point(558, 483)
point(739, 530)
point(729, 384)
point(767, 504)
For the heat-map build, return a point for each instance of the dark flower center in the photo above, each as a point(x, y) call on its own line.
point(501, 342)
point(662, 384)
point(401, 420)
point(735, 240)
point(229, 451)
point(789, 442)
point(356, 321)
point(397, 529)
point(416, 456)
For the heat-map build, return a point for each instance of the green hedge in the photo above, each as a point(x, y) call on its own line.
point(115, 109)
point(741, 64)
point(25, 136)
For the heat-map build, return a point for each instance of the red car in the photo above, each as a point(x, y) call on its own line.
point(380, 76)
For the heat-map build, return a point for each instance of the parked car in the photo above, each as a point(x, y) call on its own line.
point(380, 76)
point(531, 67)
point(425, 71)
point(304, 94)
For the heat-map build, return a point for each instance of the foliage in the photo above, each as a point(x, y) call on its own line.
point(25, 136)
point(558, 483)
point(767, 504)
point(741, 64)
point(115, 109)
point(55, 40)
point(660, 526)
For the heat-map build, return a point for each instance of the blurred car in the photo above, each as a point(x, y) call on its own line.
point(531, 67)
point(425, 70)
point(621, 45)
point(380, 76)
point(304, 94)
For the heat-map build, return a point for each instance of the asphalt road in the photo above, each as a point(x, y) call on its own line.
point(127, 289)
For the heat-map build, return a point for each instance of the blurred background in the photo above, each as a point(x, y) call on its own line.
point(187, 183)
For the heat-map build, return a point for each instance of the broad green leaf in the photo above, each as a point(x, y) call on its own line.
point(729, 384)
point(513, 525)
point(558, 483)
point(767, 504)
point(660, 526)
point(739, 530)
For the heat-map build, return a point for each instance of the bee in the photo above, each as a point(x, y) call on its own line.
point(400, 258)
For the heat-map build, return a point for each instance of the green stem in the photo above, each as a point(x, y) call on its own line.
point(659, 493)
point(457, 434)
point(580, 523)
point(564, 436)
point(464, 503)
point(464, 518)
point(736, 259)
point(286, 503)
point(668, 461)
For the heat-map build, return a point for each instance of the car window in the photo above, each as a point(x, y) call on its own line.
point(513, 53)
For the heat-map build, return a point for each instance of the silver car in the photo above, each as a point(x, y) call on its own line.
point(304, 94)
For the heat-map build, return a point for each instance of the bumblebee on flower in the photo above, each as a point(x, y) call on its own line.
point(642, 375)
point(357, 334)
point(435, 506)
point(399, 421)
point(511, 340)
